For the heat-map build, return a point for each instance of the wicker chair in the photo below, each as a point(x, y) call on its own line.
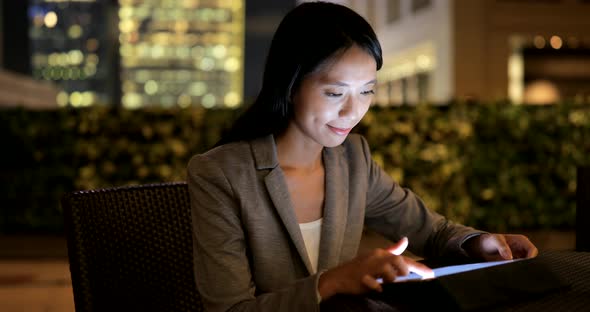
point(130, 248)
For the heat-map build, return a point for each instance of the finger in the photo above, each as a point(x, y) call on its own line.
point(531, 249)
point(399, 247)
point(495, 247)
point(389, 273)
point(371, 283)
point(400, 265)
point(522, 245)
point(532, 252)
point(503, 247)
point(420, 269)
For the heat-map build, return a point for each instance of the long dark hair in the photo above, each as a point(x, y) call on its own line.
point(307, 37)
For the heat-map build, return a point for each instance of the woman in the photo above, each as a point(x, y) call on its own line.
point(280, 204)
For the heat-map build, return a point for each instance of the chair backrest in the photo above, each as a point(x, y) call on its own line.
point(130, 248)
point(583, 209)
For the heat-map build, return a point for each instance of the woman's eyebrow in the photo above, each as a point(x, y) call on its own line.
point(344, 84)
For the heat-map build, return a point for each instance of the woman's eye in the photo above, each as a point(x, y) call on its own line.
point(333, 94)
point(368, 92)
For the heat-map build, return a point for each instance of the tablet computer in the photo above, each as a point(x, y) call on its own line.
point(475, 286)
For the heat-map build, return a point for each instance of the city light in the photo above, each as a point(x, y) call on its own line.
point(516, 77)
point(171, 53)
point(70, 46)
point(556, 42)
point(181, 53)
point(539, 42)
point(50, 19)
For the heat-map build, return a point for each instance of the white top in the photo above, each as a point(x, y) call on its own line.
point(312, 232)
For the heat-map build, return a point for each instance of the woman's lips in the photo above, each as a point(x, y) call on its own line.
point(340, 131)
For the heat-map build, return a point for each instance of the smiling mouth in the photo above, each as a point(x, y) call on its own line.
point(340, 131)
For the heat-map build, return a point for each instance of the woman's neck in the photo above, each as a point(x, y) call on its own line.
point(297, 153)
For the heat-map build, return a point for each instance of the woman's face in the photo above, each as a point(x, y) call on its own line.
point(330, 102)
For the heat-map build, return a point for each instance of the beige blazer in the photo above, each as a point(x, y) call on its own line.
point(248, 249)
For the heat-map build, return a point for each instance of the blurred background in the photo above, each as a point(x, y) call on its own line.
point(482, 108)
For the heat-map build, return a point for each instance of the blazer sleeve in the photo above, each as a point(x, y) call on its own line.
point(394, 212)
point(221, 264)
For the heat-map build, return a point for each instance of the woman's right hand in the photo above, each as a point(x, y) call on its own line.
point(360, 274)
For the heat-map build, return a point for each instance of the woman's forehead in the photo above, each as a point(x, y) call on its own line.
point(352, 65)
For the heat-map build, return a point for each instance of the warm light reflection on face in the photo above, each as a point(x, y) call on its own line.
point(331, 102)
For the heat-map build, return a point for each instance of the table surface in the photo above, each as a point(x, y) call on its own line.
point(569, 266)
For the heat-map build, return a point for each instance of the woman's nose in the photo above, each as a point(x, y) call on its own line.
point(351, 108)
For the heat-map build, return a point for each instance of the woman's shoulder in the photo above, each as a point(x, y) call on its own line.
point(228, 150)
point(226, 155)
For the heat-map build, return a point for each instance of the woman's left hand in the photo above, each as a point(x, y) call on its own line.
point(493, 247)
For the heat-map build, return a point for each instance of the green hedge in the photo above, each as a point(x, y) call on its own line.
point(494, 166)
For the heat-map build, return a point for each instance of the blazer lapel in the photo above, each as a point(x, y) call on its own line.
point(335, 207)
point(335, 203)
point(279, 193)
point(265, 155)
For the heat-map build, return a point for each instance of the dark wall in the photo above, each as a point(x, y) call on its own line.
point(262, 18)
point(15, 37)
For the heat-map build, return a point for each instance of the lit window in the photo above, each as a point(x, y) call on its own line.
point(208, 100)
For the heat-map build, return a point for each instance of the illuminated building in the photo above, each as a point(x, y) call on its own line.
point(71, 46)
point(181, 53)
point(17, 88)
point(528, 51)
